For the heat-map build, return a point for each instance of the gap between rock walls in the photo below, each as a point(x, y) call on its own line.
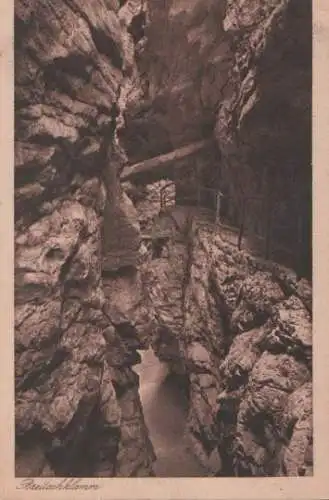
point(152, 337)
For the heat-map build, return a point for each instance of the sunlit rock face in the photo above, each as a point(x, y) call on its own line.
point(77, 405)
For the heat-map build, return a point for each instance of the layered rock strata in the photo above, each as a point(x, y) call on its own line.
point(239, 328)
point(77, 406)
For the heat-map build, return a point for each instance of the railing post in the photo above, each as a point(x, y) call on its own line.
point(241, 231)
point(299, 243)
point(268, 227)
point(218, 196)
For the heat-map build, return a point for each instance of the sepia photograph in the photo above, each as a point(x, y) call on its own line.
point(163, 239)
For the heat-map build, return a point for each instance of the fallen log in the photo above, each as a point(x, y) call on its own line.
point(158, 162)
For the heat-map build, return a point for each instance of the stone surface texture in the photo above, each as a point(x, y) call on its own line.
point(77, 405)
point(258, 111)
point(100, 84)
point(228, 82)
point(241, 329)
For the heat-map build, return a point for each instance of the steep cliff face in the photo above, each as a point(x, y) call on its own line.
point(77, 404)
point(228, 82)
point(264, 119)
point(93, 93)
point(182, 87)
point(241, 330)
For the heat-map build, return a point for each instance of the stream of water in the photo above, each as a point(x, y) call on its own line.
point(165, 412)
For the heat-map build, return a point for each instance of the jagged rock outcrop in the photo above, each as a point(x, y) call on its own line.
point(240, 328)
point(77, 405)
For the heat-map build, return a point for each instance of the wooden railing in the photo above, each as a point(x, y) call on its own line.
point(194, 195)
point(166, 199)
point(257, 222)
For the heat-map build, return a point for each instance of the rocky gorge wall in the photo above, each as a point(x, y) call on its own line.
point(182, 87)
point(228, 82)
point(263, 123)
point(240, 328)
point(77, 405)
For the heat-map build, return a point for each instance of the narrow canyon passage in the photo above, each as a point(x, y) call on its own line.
point(165, 411)
point(163, 197)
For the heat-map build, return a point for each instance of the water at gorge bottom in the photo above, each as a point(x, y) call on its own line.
point(165, 412)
